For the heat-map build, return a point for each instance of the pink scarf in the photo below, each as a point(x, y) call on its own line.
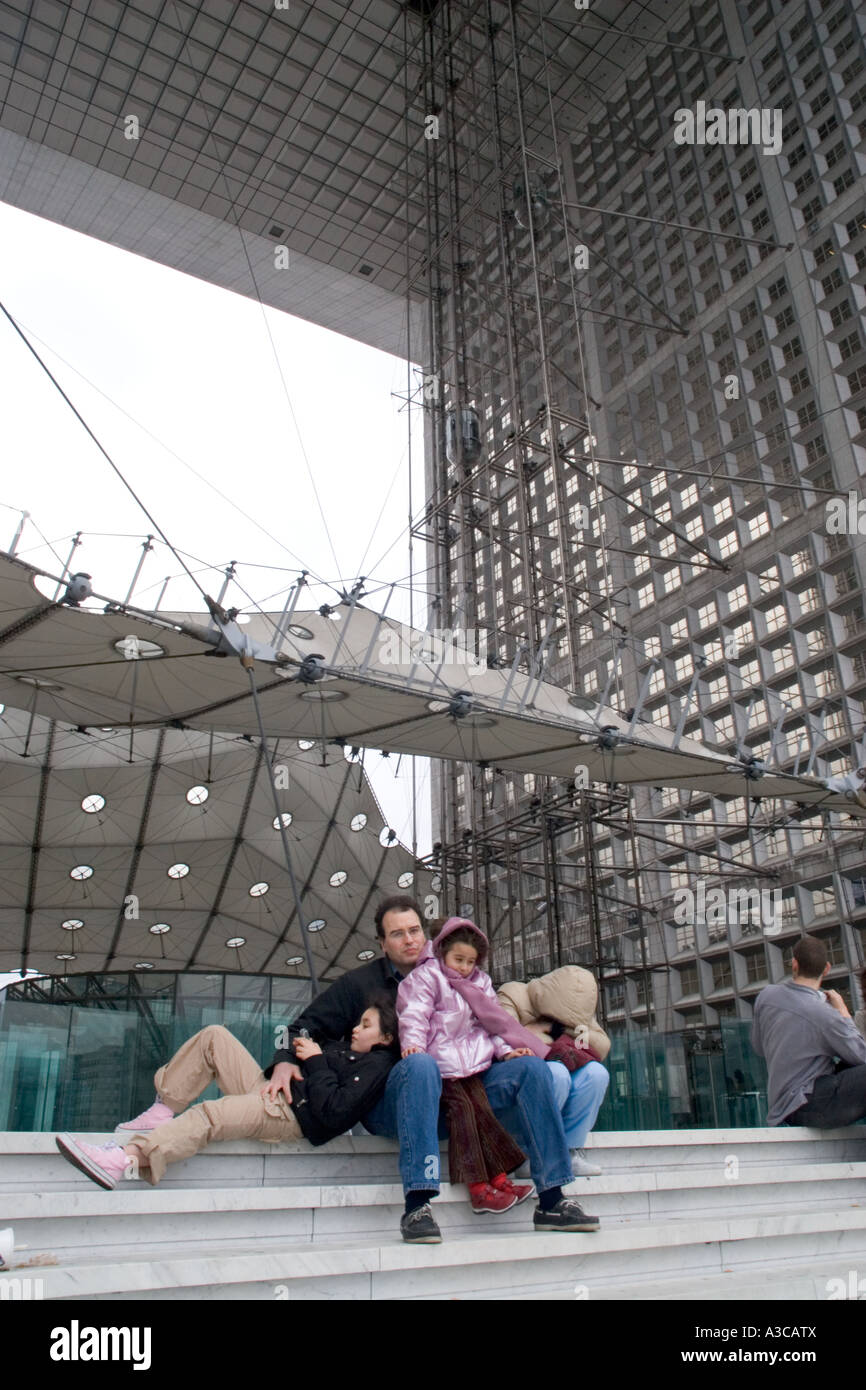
point(493, 1018)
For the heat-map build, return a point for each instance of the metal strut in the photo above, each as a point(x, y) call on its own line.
point(248, 663)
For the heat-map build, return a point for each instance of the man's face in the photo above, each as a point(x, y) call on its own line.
point(403, 941)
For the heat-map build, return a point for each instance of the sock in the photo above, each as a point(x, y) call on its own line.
point(416, 1199)
point(548, 1200)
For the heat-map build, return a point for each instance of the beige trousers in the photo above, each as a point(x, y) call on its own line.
point(242, 1112)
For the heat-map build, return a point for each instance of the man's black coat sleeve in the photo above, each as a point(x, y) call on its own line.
point(332, 1015)
point(339, 1102)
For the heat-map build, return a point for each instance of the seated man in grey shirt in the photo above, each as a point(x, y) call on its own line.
point(805, 1033)
point(860, 1016)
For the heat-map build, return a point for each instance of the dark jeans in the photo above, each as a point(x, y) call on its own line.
point(521, 1095)
point(835, 1101)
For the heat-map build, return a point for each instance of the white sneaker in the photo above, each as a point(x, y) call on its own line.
point(582, 1167)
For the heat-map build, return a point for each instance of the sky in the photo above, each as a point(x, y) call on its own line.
point(248, 434)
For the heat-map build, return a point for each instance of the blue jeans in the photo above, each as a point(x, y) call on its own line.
point(521, 1094)
point(579, 1095)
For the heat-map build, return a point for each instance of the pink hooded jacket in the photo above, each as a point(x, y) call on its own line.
point(434, 1017)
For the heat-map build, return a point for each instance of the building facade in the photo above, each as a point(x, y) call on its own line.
point(669, 371)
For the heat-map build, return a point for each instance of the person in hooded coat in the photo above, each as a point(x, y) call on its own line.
point(440, 1007)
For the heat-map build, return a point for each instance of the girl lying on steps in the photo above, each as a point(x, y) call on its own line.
point(340, 1084)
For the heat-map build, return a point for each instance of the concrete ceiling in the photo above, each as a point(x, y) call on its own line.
point(258, 127)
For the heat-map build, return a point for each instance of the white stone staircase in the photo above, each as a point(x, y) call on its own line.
point(746, 1214)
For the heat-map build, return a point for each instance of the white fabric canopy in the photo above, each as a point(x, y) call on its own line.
point(160, 859)
point(372, 692)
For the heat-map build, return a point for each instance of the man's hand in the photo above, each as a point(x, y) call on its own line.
point(407, 1051)
point(835, 1000)
point(518, 1052)
point(281, 1077)
point(305, 1047)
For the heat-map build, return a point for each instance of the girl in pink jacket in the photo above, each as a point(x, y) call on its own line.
point(434, 1008)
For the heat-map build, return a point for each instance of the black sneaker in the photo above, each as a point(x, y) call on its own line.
point(567, 1215)
point(419, 1228)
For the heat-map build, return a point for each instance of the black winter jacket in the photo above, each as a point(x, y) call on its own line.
point(336, 1011)
point(339, 1086)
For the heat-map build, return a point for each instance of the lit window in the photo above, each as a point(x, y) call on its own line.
point(358, 822)
point(81, 872)
point(258, 890)
point(197, 795)
point(285, 820)
point(737, 598)
point(93, 803)
point(178, 871)
point(338, 879)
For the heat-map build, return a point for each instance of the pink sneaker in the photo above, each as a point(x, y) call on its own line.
point(105, 1163)
point(151, 1118)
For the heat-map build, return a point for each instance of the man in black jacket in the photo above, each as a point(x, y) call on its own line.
point(520, 1091)
point(334, 1013)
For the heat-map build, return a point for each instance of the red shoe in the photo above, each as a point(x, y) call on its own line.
point(521, 1190)
point(485, 1197)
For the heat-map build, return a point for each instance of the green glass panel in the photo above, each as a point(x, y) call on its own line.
point(87, 1064)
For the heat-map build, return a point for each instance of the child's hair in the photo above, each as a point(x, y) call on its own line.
point(384, 1006)
point(463, 936)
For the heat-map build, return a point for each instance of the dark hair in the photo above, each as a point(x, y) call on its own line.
point(386, 1009)
point(463, 936)
point(398, 902)
point(810, 953)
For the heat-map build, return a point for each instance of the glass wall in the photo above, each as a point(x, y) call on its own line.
point(705, 1079)
point(88, 1062)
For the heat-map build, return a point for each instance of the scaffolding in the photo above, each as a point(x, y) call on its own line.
point(501, 92)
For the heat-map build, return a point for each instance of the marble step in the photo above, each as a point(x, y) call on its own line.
point(808, 1280)
point(28, 1159)
point(82, 1214)
point(495, 1265)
